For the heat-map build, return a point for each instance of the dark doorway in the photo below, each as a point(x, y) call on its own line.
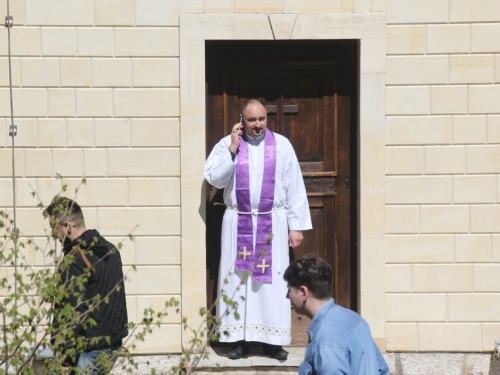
point(310, 90)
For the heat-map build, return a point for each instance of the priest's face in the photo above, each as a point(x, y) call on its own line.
point(255, 119)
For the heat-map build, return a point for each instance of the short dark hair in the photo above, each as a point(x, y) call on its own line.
point(66, 209)
point(248, 102)
point(312, 272)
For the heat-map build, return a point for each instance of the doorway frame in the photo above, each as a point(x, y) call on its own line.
point(370, 30)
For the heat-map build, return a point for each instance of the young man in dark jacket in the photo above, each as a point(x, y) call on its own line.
point(98, 295)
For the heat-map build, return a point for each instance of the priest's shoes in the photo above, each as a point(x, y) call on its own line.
point(239, 350)
point(275, 351)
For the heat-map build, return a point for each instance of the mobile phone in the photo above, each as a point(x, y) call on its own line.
point(241, 119)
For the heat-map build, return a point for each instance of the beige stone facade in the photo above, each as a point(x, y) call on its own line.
point(114, 90)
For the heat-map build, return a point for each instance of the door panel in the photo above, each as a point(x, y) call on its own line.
point(308, 90)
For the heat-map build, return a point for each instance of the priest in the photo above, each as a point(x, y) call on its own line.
point(266, 212)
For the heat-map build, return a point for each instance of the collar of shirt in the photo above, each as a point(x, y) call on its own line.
point(318, 318)
point(255, 141)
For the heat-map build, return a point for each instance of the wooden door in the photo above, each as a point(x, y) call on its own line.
point(307, 103)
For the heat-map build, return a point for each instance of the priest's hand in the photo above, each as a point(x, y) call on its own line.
point(295, 238)
point(235, 137)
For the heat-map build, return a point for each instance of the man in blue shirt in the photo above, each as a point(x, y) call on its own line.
point(340, 341)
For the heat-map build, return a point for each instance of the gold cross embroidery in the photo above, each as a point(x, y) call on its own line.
point(263, 265)
point(244, 253)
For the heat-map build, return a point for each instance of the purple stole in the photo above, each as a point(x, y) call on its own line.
point(260, 261)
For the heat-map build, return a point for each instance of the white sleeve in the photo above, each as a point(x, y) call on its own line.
point(219, 167)
point(298, 214)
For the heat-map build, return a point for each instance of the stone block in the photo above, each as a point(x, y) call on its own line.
point(372, 170)
point(416, 307)
point(444, 159)
point(255, 26)
point(4, 71)
point(435, 278)
point(94, 102)
point(157, 303)
point(484, 99)
point(192, 124)
point(6, 165)
point(80, 132)
point(304, 26)
point(62, 102)
point(350, 26)
point(152, 221)
point(472, 248)
point(420, 249)
point(465, 11)
point(471, 68)
point(6, 198)
point(497, 68)
point(155, 132)
point(193, 92)
point(147, 42)
point(24, 41)
point(111, 72)
point(38, 163)
point(258, 6)
point(455, 337)
point(448, 99)
point(143, 162)
point(314, 6)
point(164, 339)
point(158, 250)
point(59, 12)
point(31, 222)
point(477, 364)
point(356, 6)
point(27, 132)
point(103, 192)
point(476, 307)
point(483, 159)
point(40, 72)
point(153, 280)
point(484, 218)
point(112, 132)
point(146, 102)
point(28, 102)
point(371, 258)
point(444, 219)
point(401, 337)
point(208, 26)
point(474, 189)
point(282, 25)
point(25, 188)
point(487, 278)
point(166, 13)
point(114, 13)
point(58, 41)
point(219, 6)
point(481, 38)
point(155, 72)
point(432, 363)
point(51, 132)
point(76, 72)
point(410, 70)
point(154, 191)
point(493, 129)
point(67, 162)
point(95, 41)
point(398, 278)
point(409, 11)
point(95, 162)
point(421, 189)
point(193, 206)
point(372, 61)
point(193, 266)
point(491, 332)
point(407, 100)
point(402, 219)
point(17, 10)
point(418, 130)
point(405, 39)
point(448, 38)
point(469, 129)
point(371, 215)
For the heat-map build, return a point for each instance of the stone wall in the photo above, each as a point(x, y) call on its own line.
point(100, 91)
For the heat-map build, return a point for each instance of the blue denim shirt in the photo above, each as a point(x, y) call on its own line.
point(341, 343)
